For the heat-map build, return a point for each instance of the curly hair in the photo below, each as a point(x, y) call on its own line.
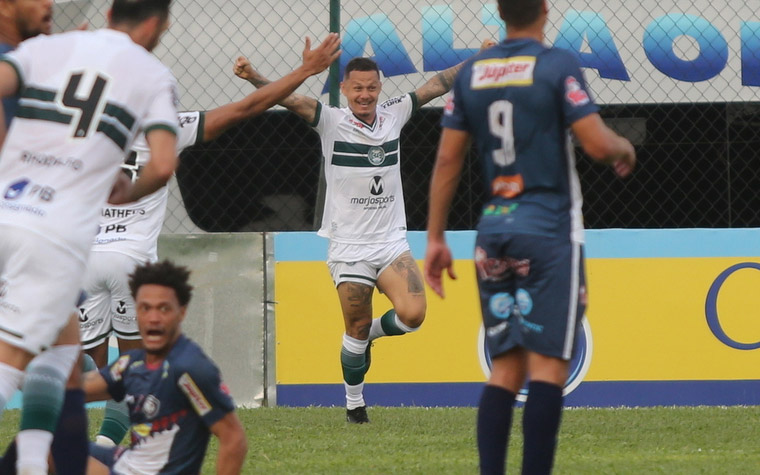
point(164, 273)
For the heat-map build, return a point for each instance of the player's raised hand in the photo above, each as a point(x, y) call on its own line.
point(437, 258)
point(318, 59)
point(487, 43)
point(243, 68)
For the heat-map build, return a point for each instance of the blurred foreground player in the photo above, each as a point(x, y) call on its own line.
point(174, 392)
point(79, 111)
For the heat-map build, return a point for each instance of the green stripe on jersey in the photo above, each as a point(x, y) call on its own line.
point(36, 113)
point(348, 147)
point(362, 161)
point(120, 114)
point(38, 94)
point(113, 133)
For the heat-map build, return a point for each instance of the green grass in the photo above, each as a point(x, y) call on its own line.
point(415, 440)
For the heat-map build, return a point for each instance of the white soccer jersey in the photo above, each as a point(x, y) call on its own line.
point(364, 201)
point(133, 228)
point(84, 96)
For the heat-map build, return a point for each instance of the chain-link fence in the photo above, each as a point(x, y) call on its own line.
point(680, 79)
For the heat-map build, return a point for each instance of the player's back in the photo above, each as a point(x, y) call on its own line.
point(513, 98)
point(83, 97)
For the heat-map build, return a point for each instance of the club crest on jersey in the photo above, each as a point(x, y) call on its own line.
point(376, 155)
point(118, 368)
point(500, 72)
point(448, 109)
point(574, 92)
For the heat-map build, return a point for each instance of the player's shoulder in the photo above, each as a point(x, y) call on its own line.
point(188, 357)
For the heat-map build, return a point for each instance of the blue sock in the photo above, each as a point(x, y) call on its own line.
point(70, 443)
point(494, 424)
point(541, 419)
point(8, 462)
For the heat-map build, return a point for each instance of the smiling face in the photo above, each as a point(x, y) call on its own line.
point(362, 88)
point(159, 315)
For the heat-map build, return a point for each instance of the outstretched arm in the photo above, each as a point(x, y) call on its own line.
point(314, 62)
point(441, 83)
point(303, 106)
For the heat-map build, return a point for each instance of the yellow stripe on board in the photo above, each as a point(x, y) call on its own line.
point(647, 318)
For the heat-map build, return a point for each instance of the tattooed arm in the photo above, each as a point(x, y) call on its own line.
point(303, 106)
point(441, 83)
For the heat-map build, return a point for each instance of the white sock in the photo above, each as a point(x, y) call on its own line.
point(60, 357)
point(376, 329)
point(33, 447)
point(10, 380)
point(354, 395)
point(354, 345)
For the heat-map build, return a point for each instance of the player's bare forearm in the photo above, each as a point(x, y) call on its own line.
point(95, 387)
point(438, 85)
point(281, 92)
point(446, 175)
point(442, 82)
point(233, 444)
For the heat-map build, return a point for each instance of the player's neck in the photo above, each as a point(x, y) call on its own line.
point(8, 34)
point(527, 33)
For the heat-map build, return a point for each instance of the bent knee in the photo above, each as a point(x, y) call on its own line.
point(412, 317)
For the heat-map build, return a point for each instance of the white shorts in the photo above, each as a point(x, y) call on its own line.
point(39, 287)
point(109, 307)
point(362, 263)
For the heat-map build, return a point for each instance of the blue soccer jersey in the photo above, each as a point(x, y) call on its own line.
point(171, 408)
point(9, 103)
point(518, 100)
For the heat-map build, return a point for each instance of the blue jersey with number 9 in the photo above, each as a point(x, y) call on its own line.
point(518, 100)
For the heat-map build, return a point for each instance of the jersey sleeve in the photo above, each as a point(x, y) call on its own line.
point(114, 376)
point(324, 119)
point(190, 129)
point(162, 112)
point(453, 112)
point(402, 106)
point(575, 97)
point(203, 387)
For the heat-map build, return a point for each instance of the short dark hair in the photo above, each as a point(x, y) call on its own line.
point(520, 13)
point(164, 273)
point(360, 64)
point(136, 11)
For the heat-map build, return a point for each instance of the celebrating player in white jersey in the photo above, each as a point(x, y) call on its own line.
point(364, 216)
point(81, 106)
point(128, 234)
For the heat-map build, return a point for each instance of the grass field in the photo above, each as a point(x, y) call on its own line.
point(416, 440)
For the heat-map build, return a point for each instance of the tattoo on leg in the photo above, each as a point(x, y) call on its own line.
point(407, 268)
point(359, 294)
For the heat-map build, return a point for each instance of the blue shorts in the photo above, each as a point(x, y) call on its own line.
point(532, 292)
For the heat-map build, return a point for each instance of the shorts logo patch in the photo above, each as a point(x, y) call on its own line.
point(194, 395)
point(574, 93)
point(500, 72)
point(496, 269)
point(524, 301)
point(121, 307)
point(501, 305)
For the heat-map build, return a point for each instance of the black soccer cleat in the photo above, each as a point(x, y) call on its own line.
point(357, 415)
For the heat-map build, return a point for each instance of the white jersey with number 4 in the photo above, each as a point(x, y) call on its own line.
point(364, 201)
point(84, 95)
point(133, 228)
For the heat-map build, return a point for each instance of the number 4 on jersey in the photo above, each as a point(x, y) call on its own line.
point(90, 107)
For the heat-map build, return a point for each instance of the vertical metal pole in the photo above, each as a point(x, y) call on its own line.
point(334, 81)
